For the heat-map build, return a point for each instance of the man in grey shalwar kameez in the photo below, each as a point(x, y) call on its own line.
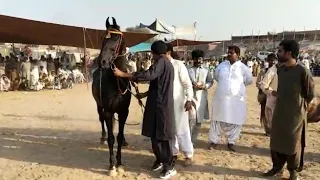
point(295, 91)
point(201, 80)
point(158, 121)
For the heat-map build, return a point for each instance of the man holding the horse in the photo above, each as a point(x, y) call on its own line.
point(295, 91)
point(158, 120)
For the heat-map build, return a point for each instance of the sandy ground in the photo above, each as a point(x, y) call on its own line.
point(55, 135)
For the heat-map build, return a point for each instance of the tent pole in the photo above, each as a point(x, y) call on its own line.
point(84, 54)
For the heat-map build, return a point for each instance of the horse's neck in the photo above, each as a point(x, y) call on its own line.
point(121, 64)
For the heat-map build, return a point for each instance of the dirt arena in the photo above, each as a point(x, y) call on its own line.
point(54, 135)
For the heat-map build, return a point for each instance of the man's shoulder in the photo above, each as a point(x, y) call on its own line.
point(302, 68)
point(179, 62)
point(241, 65)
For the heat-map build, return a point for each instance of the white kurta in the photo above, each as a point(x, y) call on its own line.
point(201, 75)
point(250, 65)
point(229, 100)
point(182, 92)
point(34, 75)
point(43, 64)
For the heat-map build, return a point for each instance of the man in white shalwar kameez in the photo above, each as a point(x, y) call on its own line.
point(229, 100)
point(182, 94)
point(201, 80)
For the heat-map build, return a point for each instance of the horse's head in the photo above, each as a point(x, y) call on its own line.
point(113, 47)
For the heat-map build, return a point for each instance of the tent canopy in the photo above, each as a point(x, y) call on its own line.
point(184, 42)
point(17, 30)
point(159, 27)
point(140, 47)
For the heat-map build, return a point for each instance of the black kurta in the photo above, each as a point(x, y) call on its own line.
point(158, 116)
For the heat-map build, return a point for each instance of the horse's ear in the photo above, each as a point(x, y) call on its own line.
point(107, 23)
point(114, 22)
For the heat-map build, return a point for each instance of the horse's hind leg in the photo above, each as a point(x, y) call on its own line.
point(103, 138)
point(111, 139)
point(120, 138)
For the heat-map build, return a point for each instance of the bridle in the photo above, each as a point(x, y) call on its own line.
point(112, 66)
point(115, 56)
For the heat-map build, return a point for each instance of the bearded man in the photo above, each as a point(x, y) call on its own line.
point(295, 91)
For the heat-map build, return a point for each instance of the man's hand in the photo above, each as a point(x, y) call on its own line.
point(274, 93)
point(188, 106)
point(202, 87)
point(195, 85)
point(117, 72)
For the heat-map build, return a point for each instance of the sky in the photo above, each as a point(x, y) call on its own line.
point(216, 19)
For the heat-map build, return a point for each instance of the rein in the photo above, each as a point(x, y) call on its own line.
point(116, 55)
point(112, 65)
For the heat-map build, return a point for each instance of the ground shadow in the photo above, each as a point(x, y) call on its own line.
point(60, 148)
point(254, 133)
point(251, 126)
point(63, 118)
point(254, 150)
point(42, 117)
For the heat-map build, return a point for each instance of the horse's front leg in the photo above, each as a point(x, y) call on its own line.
point(123, 115)
point(111, 139)
point(103, 138)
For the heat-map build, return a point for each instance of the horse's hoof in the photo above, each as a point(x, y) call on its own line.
point(120, 169)
point(103, 141)
point(113, 172)
point(124, 144)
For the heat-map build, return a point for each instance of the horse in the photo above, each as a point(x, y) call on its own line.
point(313, 116)
point(112, 94)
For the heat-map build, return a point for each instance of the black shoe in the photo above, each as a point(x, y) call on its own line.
point(157, 166)
point(293, 175)
point(166, 174)
point(231, 147)
point(273, 172)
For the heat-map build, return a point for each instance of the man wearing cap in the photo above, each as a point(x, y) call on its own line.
point(158, 121)
point(183, 94)
point(201, 80)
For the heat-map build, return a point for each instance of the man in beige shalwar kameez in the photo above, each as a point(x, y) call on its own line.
point(268, 84)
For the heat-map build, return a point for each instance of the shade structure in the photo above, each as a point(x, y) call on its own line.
point(18, 30)
point(140, 47)
point(159, 27)
point(184, 42)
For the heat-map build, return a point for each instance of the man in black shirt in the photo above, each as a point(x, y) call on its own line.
point(158, 121)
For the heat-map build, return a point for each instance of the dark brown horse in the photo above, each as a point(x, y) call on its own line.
point(313, 116)
point(112, 94)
